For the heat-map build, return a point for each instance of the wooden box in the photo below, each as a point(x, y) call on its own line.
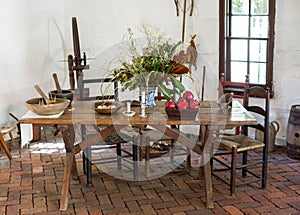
point(188, 114)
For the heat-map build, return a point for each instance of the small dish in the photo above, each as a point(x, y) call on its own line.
point(107, 107)
point(130, 113)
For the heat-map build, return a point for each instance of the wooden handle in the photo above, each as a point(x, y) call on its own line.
point(40, 91)
point(71, 72)
point(57, 83)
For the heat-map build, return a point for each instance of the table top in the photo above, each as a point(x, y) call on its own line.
point(210, 113)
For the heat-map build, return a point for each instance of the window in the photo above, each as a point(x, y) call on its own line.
point(247, 40)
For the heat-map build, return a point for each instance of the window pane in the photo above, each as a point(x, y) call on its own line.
point(239, 26)
point(259, 26)
point(259, 7)
point(257, 73)
point(239, 50)
point(240, 6)
point(238, 71)
point(258, 50)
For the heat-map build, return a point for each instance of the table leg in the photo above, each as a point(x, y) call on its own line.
point(70, 164)
point(207, 138)
point(64, 198)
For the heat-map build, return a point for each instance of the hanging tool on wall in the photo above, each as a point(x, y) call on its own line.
point(184, 10)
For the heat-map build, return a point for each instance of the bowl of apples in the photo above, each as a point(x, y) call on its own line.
point(185, 108)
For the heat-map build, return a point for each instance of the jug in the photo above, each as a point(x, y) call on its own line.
point(273, 129)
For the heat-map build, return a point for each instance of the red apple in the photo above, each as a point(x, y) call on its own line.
point(188, 95)
point(194, 104)
point(181, 99)
point(171, 105)
point(183, 105)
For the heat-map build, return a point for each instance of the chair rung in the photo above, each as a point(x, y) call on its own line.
point(249, 165)
point(249, 181)
point(221, 162)
point(126, 152)
point(253, 174)
point(103, 160)
point(226, 181)
point(221, 153)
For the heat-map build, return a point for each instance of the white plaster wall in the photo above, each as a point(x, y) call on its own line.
point(106, 22)
point(286, 63)
point(36, 36)
point(31, 44)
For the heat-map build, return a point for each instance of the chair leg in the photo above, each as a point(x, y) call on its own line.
point(84, 161)
point(244, 162)
point(135, 157)
point(189, 160)
point(11, 138)
point(233, 171)
point(119, 156)
point(5, 147)
point(264, 168)
point(147, 157)
point(88, 166)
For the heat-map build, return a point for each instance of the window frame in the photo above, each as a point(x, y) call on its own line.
point(224, 44)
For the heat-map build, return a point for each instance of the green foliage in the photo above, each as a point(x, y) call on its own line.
point(153, 66)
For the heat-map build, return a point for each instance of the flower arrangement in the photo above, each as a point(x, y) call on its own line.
point(153, 65)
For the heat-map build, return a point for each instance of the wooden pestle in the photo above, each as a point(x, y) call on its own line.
point(40, 91)
point(54, 75)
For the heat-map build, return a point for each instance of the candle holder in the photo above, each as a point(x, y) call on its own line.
point(128, 111)
point(143, 110)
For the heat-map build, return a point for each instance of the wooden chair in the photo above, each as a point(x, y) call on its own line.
point(241, 144)
point(238, 91)
point(113, 141)
point(3, 131)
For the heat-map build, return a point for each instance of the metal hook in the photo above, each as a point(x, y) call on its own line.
point(177, 7)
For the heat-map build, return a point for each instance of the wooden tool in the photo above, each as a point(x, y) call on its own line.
point(40, 91)
point(71, 72)
point(54, 75)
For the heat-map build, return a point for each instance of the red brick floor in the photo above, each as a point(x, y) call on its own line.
point(31, 184)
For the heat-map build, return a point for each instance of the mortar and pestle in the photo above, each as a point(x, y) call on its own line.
point(45, 105)
point(59, 93)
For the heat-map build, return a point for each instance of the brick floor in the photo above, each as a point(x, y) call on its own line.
point(31, 184)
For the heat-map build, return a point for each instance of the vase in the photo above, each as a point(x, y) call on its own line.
point(149, 95)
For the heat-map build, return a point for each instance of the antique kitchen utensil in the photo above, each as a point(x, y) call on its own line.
point(35, 106)
point(44, 96)
point(54, 75)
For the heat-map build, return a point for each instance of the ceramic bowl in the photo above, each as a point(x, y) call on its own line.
point(66, 94)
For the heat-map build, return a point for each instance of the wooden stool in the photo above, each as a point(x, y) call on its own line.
point(6, 130)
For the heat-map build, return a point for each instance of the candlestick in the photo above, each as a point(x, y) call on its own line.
point(143, 98)
point(143, 110)
point(128, 107)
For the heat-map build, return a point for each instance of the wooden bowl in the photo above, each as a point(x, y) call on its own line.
point(188, 114)
point(49, 109)
point(107, 107)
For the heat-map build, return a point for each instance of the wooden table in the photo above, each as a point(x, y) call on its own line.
point(209, 119)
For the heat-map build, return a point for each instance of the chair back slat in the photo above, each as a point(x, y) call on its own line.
point(260, 92)
point(239, 89)
point(112, 94)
